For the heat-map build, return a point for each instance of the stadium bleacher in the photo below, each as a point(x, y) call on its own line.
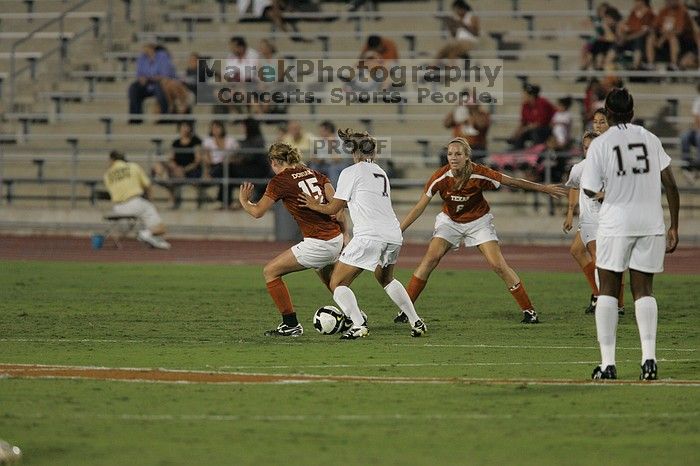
point(65, 68)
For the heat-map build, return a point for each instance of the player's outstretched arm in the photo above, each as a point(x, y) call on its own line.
point(674, 203)
point(331, 208)
point(415, 212)
point(573, 202)
point(553, 190)
point(255, 210)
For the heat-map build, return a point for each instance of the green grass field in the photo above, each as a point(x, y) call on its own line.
point(211, 318)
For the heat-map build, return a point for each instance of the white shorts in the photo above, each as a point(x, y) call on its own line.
point(368, 253)
point(471, 234)
point(314, 253)
point(588, 232)
point(643, 253)
point(141, 208)
point(254, 7)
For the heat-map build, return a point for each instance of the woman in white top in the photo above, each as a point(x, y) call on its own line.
point(465, 29)
point(220, 149)
point(364, 188)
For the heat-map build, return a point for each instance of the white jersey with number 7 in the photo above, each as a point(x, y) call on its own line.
point(626, 161)
point(365, 188)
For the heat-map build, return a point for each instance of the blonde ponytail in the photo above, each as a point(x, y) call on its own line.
point(284, 153)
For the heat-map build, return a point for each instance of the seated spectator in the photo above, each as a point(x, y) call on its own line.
point(632, 33)
point(128, 185)
point(673, 35)
point(535, 118)
point(175, 90)
point(327, 153)
point(190, 78)
point(692, 138)
point(220, 153)
point(270, 10)
point(599, 31)
point(253, 156)
point(470, 121)
point(561, 125)
point(152, 68)
point(602, 52)
point(383, 48)
point(185, 160)
point(241, 64)
point(297, 137)
point(464, 28)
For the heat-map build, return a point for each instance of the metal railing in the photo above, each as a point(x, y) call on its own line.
point(62, 47)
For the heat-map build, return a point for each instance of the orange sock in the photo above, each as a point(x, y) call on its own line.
point(415, 287)
point(280, 295)
point(520, 295)
point(589, 272)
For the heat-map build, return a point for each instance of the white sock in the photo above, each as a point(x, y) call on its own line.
point(606, 327)
point(647, 312)
point(399, 295)
point(345, 298)
point(146, 233)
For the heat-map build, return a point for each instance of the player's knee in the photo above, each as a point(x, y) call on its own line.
point(269, 272)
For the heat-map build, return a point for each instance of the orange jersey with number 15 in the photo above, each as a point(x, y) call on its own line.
point(287, 186)
point(466, 204)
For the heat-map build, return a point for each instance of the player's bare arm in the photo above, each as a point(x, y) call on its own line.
point(341, 217)
point(331, 208)
point(258, 209)
point(674, 202)
point(553, 190)
point(415, 212)
point(573, 202)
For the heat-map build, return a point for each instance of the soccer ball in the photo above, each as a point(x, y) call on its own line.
point(328, 320)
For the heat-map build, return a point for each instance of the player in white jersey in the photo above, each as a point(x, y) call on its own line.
point(631, 165)
point(364, 188)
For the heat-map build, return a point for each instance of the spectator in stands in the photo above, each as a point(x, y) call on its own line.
point(673, 35)
point(381, 47)
point(599, 31)
point(175, 90)
point(185, 160)
point(561, 125)
point(603, 48)
point(535, 118)
point(190, 78)
point(128, 185)
point(327, 153)
point(253, 162)
point(298, 138)
point(632, 33)
point(270, 10)
point(152, 67)
point(241, 64)
point(469, 121)
point(464, 28)
point(692, 138)
point(219, 151)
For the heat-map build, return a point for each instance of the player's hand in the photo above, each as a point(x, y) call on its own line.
point(600, 196)
point(307, 201)
point(568, 224)
point(671, 240)
point(556, 191)
point(244, 193)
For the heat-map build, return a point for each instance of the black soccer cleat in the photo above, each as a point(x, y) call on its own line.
point(649, 370)
point(591, 306)
point(284, 330)
point(401, 318)
point(530, 317)
point(610, 373)
point(620, 311)
point(418, 329)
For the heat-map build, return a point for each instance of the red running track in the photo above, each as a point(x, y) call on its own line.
point(63, 248)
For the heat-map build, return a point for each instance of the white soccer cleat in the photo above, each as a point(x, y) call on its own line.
point(355, 333)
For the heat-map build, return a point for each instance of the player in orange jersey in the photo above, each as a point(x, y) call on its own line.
point(323, 234)
point(465, 218)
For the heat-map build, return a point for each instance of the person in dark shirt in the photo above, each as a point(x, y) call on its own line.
point(535, 116)
point(185, 160)
point(253, 161)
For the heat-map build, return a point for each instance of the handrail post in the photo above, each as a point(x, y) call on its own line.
point(74, 170)
point(224, 186)
point(11, 89)
point(110, 12)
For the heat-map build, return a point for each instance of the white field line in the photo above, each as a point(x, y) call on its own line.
point(353, 417)
point(439, 364)
point(426, 345)
point(456, 345)
point(309, 378)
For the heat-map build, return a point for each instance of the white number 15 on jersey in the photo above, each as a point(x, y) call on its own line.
point(310, 186)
